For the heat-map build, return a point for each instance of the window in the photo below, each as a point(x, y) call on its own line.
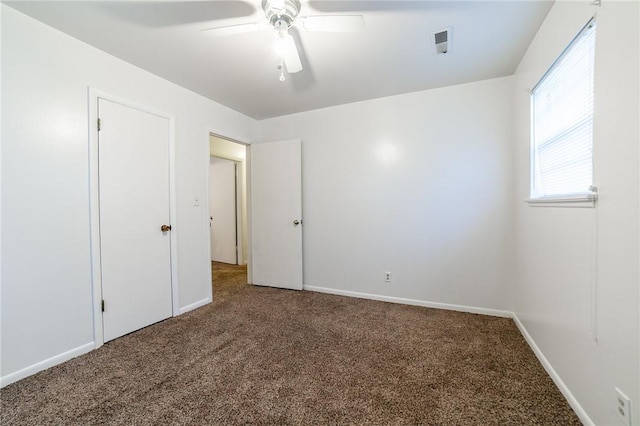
point(562, 125)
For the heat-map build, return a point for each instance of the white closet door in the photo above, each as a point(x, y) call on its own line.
point(134, 204)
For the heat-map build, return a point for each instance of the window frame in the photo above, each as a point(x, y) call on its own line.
point(586, 198)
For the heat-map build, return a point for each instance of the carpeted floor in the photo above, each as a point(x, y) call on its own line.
point(267, 356)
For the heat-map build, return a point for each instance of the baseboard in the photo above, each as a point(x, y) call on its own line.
point(194, 305)
point(573, 402)
point(415, 302)
point(47, 363)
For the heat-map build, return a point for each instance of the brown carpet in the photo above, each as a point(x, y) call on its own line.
point(267, 356)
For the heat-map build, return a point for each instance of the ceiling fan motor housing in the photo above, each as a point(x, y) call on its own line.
point(281, 18)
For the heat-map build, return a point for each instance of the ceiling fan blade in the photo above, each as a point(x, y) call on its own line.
point(236, 29)
point(290, 55)
point(332, 23)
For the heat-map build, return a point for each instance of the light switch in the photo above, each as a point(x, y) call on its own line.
point(196, 201)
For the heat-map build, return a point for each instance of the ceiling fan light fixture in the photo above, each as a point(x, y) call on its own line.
point(282, 15)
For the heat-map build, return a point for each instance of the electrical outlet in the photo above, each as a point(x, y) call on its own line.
point(623, 407)
point(387, 277)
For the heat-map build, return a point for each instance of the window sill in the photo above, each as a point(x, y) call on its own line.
point(587, 200)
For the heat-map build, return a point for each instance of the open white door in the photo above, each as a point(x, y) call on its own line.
point(276, 214)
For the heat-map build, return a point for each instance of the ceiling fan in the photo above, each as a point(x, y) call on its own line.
point(282, 15)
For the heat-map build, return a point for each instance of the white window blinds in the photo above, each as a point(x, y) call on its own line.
point(562, 118)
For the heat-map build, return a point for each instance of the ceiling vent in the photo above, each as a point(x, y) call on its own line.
point(442, 41)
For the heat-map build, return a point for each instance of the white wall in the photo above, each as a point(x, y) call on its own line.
point(418, 185)
point(46, 275)
point(560, 251)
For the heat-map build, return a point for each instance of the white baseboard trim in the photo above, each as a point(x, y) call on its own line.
point(47, 363)
point(573, 402)
point(194, 305)
point(414, 302)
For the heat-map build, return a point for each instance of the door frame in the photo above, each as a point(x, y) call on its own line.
point(209, 132)
point(94, 206)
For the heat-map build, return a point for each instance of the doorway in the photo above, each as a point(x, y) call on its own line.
point(272, 250)
point(228, 233)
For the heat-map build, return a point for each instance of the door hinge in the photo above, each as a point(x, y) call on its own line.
point(102, 305)
point(98, 124)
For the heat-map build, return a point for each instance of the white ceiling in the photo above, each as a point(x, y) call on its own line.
point(393, 54)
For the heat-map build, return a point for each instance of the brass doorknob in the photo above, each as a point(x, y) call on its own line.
point(165, 228)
